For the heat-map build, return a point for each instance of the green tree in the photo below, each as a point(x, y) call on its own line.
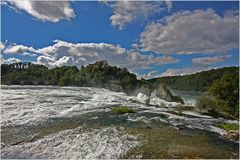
point(223, 98)
point(227, 89)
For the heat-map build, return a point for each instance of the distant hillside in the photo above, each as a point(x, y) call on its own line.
point(199, 81)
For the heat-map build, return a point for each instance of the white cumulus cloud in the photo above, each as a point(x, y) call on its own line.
point(51, 62)
point(10, 60)
point(52, 11)
point(188, 32)
point(85, 53)
point(183, 71)
point(2, 46)
point(125, 11)
point(66, 53)
point(210, 60)
point(149, 75)
point(20, 49)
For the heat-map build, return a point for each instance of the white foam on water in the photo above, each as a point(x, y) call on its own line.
point(139, 119)
point(142, 97)
point(217, 130)
point(202, 122)
point(232, 121)
point(154, 100)
point(144, 119)
point(158, 119)
point(106, 143)
point(33, 105)
point(191, 113)
point(161, 102)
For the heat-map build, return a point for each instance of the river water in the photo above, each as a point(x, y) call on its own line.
point(189, 97)
point(77, 122)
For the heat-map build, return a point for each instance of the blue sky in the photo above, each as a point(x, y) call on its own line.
point(149, 38)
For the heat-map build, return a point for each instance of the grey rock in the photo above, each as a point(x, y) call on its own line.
point(164, 93)
point(145, 89)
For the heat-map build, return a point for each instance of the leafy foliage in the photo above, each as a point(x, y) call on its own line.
point(223, 98)
point(197, 82)
point(216, 107)
point(98, 74)
point(38, 75)
point(227, 89)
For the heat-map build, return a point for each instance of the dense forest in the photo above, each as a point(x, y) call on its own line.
point(103, 75)
point(200, 81)
point(99, 74)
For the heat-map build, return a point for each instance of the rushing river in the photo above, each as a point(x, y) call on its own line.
point(76, 122)
point(189, 97)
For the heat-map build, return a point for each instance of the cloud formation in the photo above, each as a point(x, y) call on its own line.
point(183, 71)
point(52, 11)
point(10, 60)
point(188, 32)
point(66, 53)
point(210, 60)
point(85, 53)
point(151, 74)
point(19, 49)
point(128, 11)
point(2, 46)
point(199, 64)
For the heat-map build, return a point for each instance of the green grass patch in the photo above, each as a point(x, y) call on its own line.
point(228, 126)
point(122, 110)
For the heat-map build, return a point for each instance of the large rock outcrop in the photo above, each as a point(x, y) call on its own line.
point(164, 93)
point(148, 92)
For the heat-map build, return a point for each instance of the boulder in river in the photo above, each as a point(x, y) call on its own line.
point(164, 93)
point(148, 92)
point(144, 93)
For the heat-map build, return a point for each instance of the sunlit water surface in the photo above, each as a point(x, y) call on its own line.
point(77, 122)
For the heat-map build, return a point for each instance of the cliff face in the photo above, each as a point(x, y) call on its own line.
point(98, 74)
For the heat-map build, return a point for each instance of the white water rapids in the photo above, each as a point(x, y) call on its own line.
point(26, 107)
